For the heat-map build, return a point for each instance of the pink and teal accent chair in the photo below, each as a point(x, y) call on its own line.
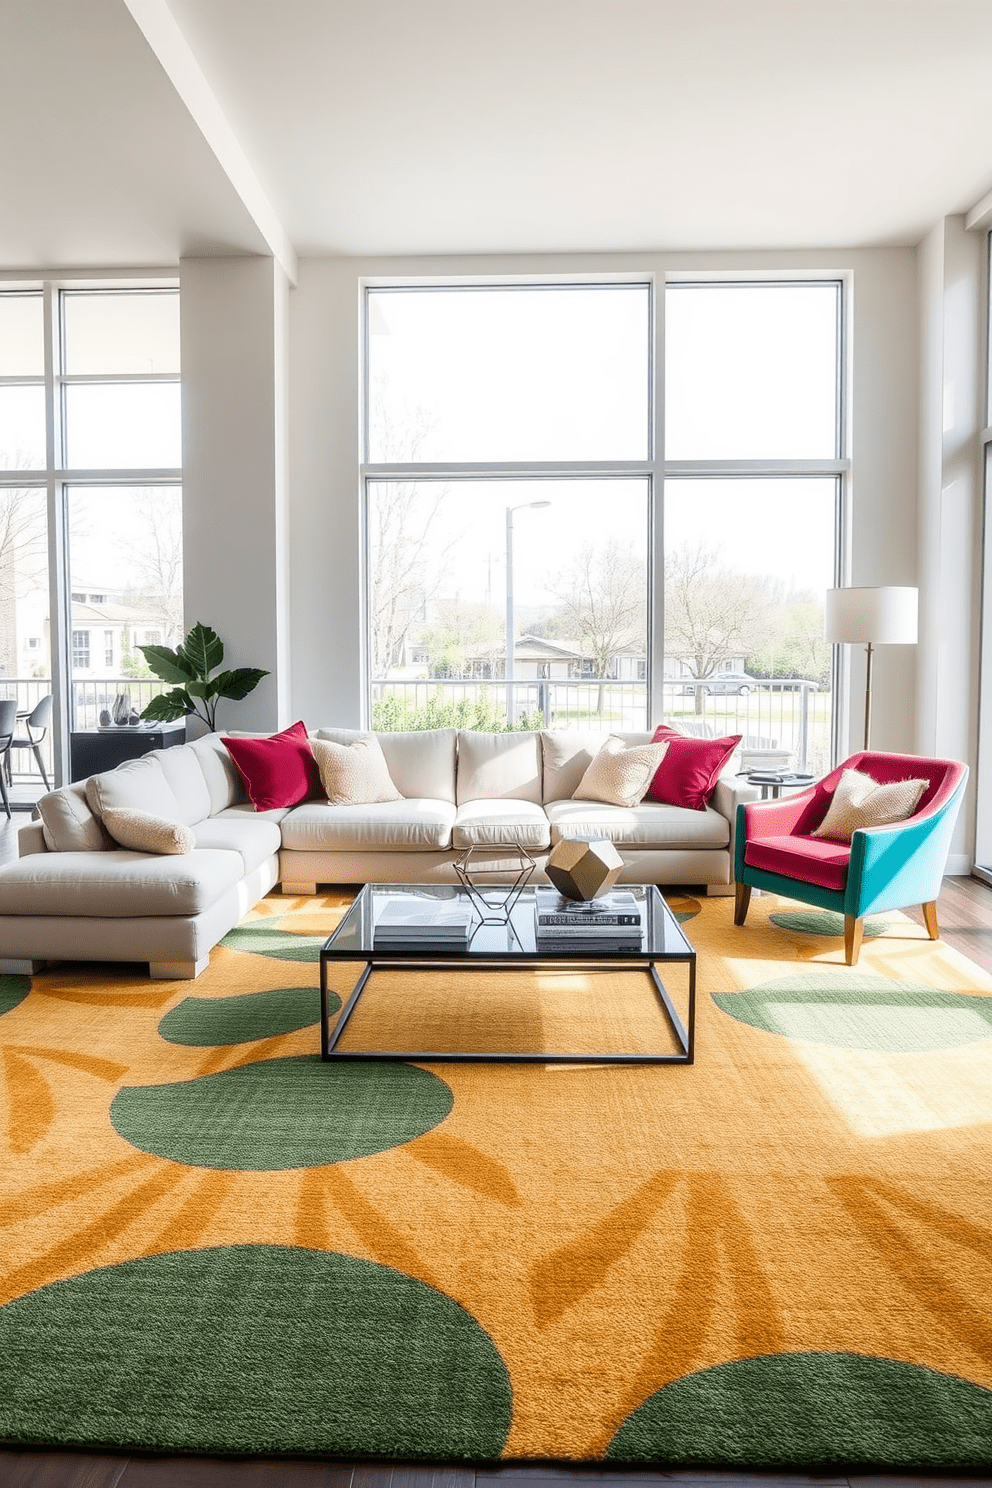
point(883, 868)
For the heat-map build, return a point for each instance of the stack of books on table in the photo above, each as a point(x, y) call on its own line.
point(613, 922)
point(437, 924)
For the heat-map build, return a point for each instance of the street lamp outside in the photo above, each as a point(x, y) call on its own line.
point(523, 506)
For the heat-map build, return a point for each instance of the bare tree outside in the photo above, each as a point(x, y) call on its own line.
point(23, 562)
point(155, 558)
point(601, 597)
point(712, 612)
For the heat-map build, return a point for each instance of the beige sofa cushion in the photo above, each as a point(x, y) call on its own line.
point(242, 829)
point(500, 824)
point(68, 823)
point(143, 832)
point(404, 825)
point(644, 826)
point(116, 885)
point(136, 785)
point(184, 773)
point(618, 775)
point(224, 781)
point(421, 764)
point(498, 766)
point(354, 774)
point(568, 753)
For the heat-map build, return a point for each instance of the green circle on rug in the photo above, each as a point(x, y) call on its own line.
point(282, 1113)
point(810, 1409)
point(13, 989)
point(859, 1010)
point(823, 922)
point(211, 1021)
point(251, 1349)
point(265, 939)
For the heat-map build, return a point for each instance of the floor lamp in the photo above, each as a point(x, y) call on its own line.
point(871, 617)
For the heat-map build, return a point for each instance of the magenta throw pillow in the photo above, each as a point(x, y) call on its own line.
point(688, 773)
point(278, 771)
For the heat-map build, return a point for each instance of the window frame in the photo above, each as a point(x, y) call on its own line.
point(55, 477)
point(654, 469)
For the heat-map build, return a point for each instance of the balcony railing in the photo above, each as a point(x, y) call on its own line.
point(785, 723)
point(89, 698)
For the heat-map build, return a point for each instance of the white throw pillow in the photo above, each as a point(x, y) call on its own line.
point(142, 831)
point(859, 801)
point(354, 774)
point(619, 776)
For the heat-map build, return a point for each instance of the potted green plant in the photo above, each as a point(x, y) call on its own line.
point(190, 665)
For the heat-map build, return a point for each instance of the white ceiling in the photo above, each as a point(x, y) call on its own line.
point(450, 126)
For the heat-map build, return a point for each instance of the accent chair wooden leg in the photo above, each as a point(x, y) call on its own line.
point(742, 898)
point(930, 919)
point(854, 929)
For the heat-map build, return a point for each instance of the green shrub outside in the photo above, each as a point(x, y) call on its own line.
point(396, 714)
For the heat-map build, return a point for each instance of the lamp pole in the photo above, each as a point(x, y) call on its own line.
point(508, 666)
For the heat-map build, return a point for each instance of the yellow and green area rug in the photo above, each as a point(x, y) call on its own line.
point(211, 1242)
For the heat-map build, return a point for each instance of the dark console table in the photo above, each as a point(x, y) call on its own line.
point(92, 750)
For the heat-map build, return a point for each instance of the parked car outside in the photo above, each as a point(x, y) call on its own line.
point(721, 683)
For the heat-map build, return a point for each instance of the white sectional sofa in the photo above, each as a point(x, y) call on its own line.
point(73, 894)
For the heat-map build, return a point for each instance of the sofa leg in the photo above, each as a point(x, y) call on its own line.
point(742, 899)
point(306, 889)
point(719, 891)
point(930, 919)
point(177, 971)
point(854, 929)
point(10, 967)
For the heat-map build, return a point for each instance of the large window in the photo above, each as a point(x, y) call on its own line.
point(508, 486)
point(90, 510)
point(537, 551)
point(752, 508)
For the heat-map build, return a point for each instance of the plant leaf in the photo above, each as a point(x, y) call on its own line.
point(201, 689)
point(203, 650)
point(169, 705)
point(239, 682)
point(170, 665)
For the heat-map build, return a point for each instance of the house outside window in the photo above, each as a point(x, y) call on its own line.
point(108, 648)
point(80, 650)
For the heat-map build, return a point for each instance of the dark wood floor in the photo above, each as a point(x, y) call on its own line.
point(965, 914)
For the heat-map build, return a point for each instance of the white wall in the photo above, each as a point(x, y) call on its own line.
point(325, 550)
point(234, 322)
point(950, 505)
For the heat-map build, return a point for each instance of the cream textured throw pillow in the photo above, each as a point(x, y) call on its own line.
point(619, 776)
point(354, 774)
point(859, 801)
point(144, 832)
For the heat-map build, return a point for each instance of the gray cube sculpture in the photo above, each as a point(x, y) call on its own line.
point(584, 867)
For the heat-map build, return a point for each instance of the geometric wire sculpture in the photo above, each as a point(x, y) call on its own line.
point(493, 902)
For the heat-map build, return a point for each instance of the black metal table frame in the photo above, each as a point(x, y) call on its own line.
point(401, 961)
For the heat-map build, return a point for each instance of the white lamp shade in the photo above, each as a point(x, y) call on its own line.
point(883, 616)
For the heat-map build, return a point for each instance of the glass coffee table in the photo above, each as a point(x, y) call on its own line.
point(494, 946)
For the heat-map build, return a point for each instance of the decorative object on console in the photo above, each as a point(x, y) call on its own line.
point(478, 872)
point(881, 616)
point(354, 774)
point(690, 768)
point(191, 664)
point(104, 718)
point(584, 867)
point(121, 710)
point(278, 771)
point(618, 775)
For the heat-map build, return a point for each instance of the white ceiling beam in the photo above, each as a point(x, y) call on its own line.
point(159, 28)
point(981, 213)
